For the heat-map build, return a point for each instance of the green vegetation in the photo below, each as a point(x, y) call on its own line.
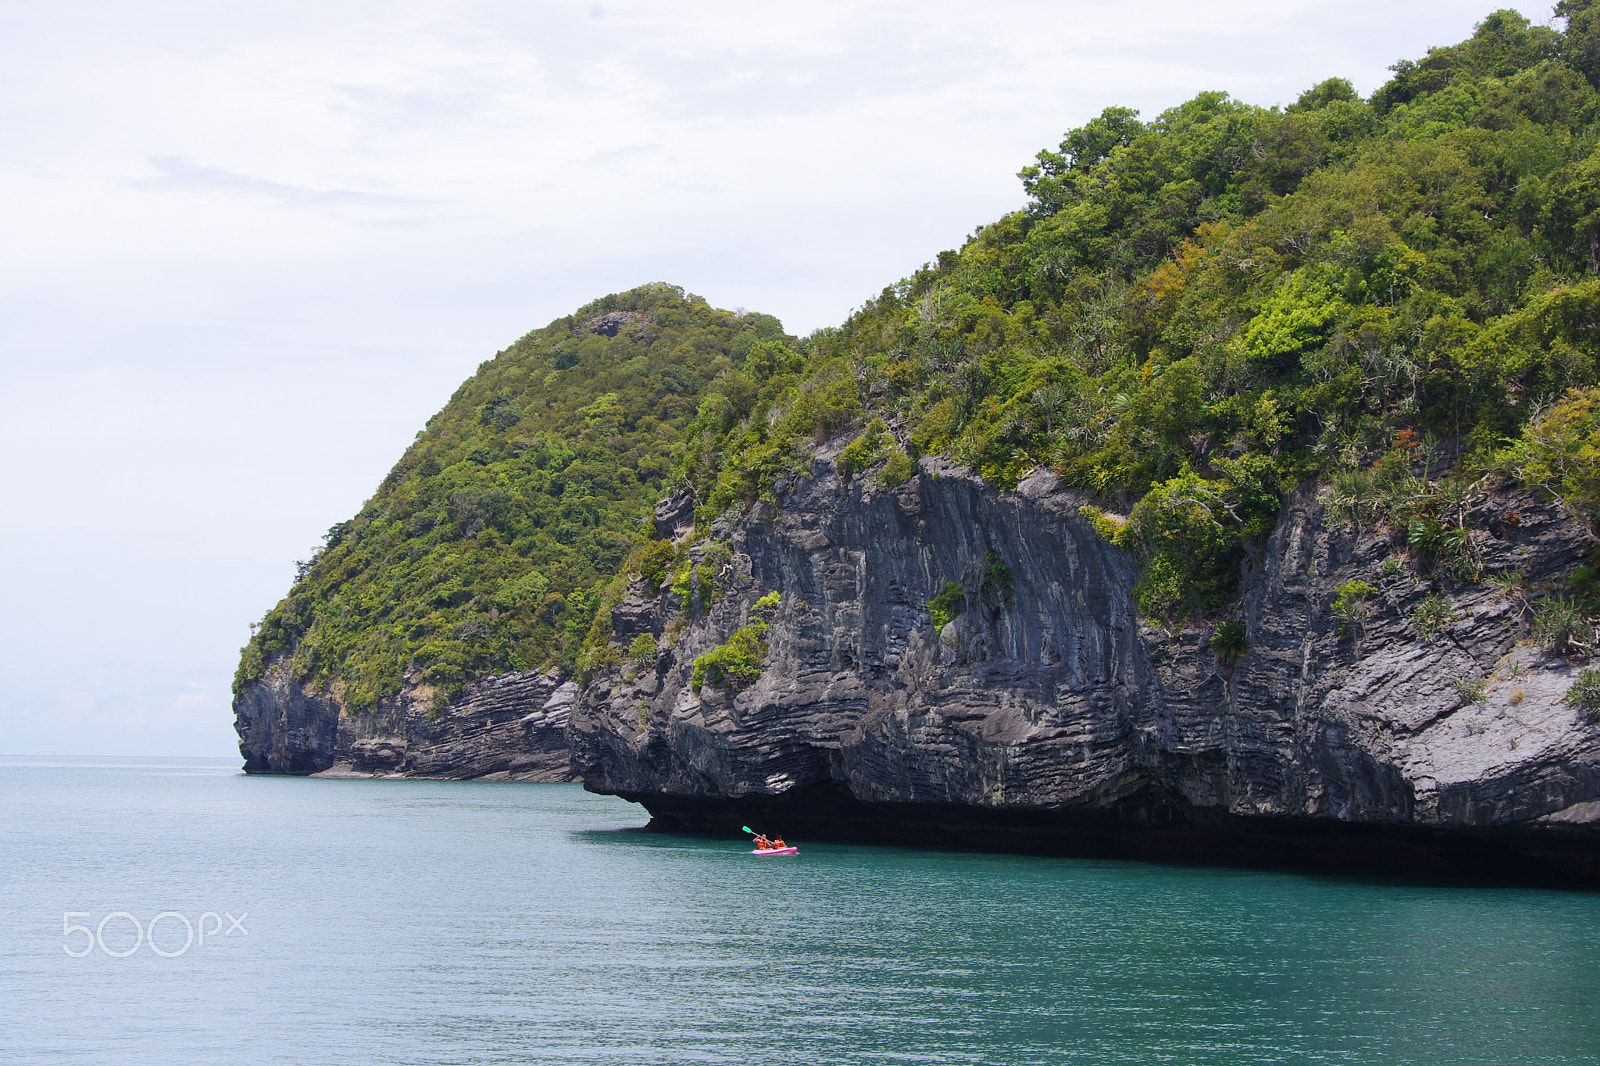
point(1229, 643)
point(694, 584)
point(1471, 689)
point(1585, 584)
point(491, 543)
point(946, 604)
point(996, 582)
point(1560, 628)
point(737, 663)
point(1430, 617)
point(1585, 693)
point(898, 468)
point(1196, 312)
point(655, 562)
point(1191, 315)
point(1559, 451)
point(1350, 604)
point(642, 652)
point(864, 451)
point(767, 605)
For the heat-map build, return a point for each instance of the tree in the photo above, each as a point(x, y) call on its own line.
point(1580, 46)
point(1052, 182)
point(1559, 451)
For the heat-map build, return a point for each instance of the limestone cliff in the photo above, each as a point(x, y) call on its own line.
point(509, 728)
point(1048, 716)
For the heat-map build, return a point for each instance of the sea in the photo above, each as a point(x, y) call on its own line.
point(163, 911)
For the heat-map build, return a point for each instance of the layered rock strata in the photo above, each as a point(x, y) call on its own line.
point(1047, 716)
point(508, 728)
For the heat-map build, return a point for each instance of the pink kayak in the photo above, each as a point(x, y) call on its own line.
point(775, 851)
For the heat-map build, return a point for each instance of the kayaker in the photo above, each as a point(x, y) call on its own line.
point(777, 844)
point(762, 843)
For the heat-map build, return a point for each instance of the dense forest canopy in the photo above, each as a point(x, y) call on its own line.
point(1191, 315)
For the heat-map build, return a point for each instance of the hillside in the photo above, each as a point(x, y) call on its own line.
point(488, 546)
point(1230, 498)
point(1196, 313)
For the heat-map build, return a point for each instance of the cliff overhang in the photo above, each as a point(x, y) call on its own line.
point(1050, 717)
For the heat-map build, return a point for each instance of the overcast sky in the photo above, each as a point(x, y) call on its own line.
point(246, 249)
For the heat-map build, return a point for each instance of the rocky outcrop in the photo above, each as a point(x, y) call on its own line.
point(507, 728)
point(1048, 716)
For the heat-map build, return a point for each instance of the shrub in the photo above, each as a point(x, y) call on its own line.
point(654, 563)
point(1351, 499)
point(1188, 550)
point(1585, 583)
point(1560, 628)
point(1114, 530)
point(1471, 689)
point(736, 663)
point(642, 652)
point(946, 604)
point(1229, 643)
point(997, 582)
point(768, 604)
point(1507, 583)
point(898, 468)
point(682, 587)
point(529, 588)
point(526, 469)
point(1431, 616)
point(1105, 330)
point(863, 451)
point(1585, 693)
point(695, 585)
point(1427, 537)
point(1560, 452)
point(1452, 548)
point(1350, 604)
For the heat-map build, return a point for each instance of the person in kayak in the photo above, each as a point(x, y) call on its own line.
point(777, 844)
point(762, 843)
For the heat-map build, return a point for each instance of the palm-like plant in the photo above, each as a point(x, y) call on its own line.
point(1229, 643)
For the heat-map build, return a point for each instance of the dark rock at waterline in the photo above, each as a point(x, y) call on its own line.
point(1049, 717)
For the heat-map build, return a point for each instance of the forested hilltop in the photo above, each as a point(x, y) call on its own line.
point(1192, 315)
point(488, 545)
point(1196, 313)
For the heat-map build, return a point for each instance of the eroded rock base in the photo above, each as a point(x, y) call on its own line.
point(1555, 855)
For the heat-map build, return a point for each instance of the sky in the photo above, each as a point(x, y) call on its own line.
point(247, 249)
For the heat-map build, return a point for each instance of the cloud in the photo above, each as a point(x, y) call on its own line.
point(614, 158)
point(177, 174)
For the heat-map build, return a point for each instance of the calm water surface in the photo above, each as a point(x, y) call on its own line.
point(458, 922)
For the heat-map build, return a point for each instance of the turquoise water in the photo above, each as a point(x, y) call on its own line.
point(459, 922)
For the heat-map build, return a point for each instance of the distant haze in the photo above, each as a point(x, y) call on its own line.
point(250, 248)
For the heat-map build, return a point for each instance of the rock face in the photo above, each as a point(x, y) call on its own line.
point(1047, 716)
point(509, 728)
